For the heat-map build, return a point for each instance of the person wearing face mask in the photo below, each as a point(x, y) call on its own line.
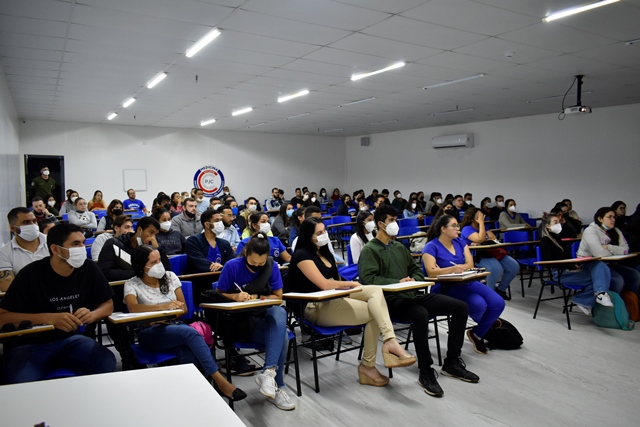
point(188, 222)
point(28, 245)
point(346, 208)
point(214, 203)
point(314, 269)
point(41, 212)
point(595, 275)
point(43, 185)
point(437, 203)
point(202, 204)
point(312, 201)
point(51, 204)
point(468, 202)
point(121, 225)
point(64, 290)
point(411, 209)
point(362, 205)
point(498, 208)
point(398, 202)
point(68, 204)
point(484, 207)
point(601, 239)
point(322, 197)
point(154, 289)
point(511, 218)
point(172, 241)
point(259, 222)
point(446, 208)
point(255, 275)
point(134, 204)
point(206, 251)
point(364, 233)
point(83, 218)
point(105, 225)
point(281, 224)
point(251, 206)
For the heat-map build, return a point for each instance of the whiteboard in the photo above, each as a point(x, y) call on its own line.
point(134, 178)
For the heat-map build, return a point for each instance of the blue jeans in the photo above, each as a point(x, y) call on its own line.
point(271, 332)
point(485, 305)
point(595, 275)
point(182, 339)
point(624, 278)
point(79, 354)
point(507, 268)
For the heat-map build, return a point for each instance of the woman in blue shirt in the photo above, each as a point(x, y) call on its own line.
point(412, 209)
point(255, 275)
point(447, 253)
point(259, 222)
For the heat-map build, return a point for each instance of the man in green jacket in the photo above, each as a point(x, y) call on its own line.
point(384, 261)
point(43, 185)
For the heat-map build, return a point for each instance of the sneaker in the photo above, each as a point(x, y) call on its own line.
point(478, 343)
point(503, 294)
point(457, 369)
point(603, 299)
point(429, 383)
point(267, 382)
point(586, 310)
point(282, 400)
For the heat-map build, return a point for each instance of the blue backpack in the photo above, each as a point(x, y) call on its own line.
point(616, 317)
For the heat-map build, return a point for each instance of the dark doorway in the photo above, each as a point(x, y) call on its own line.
point(32, 166)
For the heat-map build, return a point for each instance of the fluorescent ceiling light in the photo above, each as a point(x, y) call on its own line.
point(355, 77)
point(574, 10)
point(630, 42)
point(297, 115)
point(358, 101)
point(128, 102)
point(242, 111)
point(208, 38)
point(382, 123)
point(256, 125)
point(112, 116)
point(453, 81)
point(157, 79)
point(295, 95)
point(442, 113)
point(548, 98)
point(332, 130)
point(207, 122)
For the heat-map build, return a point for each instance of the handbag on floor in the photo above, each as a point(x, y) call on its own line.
point(504, 337)
point(616, 317)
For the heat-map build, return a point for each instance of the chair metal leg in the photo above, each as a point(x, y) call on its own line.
point(539, 298)
point(315, 360)
point(567, 305)
point(339, 345)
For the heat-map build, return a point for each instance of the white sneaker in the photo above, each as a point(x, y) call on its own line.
point(603, 299)
point(267, 383)
point(586, 310)
point(283, 401)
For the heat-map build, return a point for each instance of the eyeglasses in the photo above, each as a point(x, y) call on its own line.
point(454, 225)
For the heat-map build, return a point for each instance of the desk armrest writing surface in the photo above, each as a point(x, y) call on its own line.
point(235, 306)
point(617, 257)
point(195, 275)
point(123, 318)
point(117, 283)
point(472, 278)
point(34, 330)
point(405, 286)
point(570, 261)
point(320, 295)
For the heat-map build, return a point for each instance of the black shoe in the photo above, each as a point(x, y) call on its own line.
point(457, 369)
point(478, 343)
point(427, 380)
point(503, 294)
point(242, 367)
point(236, 396)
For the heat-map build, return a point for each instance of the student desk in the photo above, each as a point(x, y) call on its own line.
point(16, 335)
point(460, 280)
point(119, 398)
point(405, 286)
point(320, 295)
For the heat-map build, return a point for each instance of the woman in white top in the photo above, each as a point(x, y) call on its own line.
point(364, 233)
point(68, 205)
point(82, 217)
point(154, 289)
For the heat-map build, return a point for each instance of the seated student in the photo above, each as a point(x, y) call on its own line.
point(259, 222)
point(188, 222)
point(28, 245)
point(596, 275)
point(385, 194)
point(446, 208)
point(305, 196)
point(230, 232)
point(573, 214)
point(251, 205)
point(97, 202)
point(51, 204)
point(312, 201)
point(105, 225)
point(431, 202)
point(336, 194)
point(280, 226)
point(275, 201)
point(411, 209)
point(380, 200)
point(346, 208)
point(64, 290)
point(447, 253)
point(313, 211)
point(314, 269)
point(68, 204)
point(258, 276)
point(206, 251)
point(176, 204)
point(422, 203)
point(571, 228)
point(511, 218)
point(297, 198)
point(362, 205)
point(172, 241)
point(121, 225)
point(322, 196)
point(226, 190)
point(437, 203)
point(620, 209)
point(294, 226)
point(134, 204)
point(498, 208)
point(41, 212)
point(364, 233)
point(384, 261)
point(370, 200)
point(83, 218)
point(214, 203)
point(202, 204)
point(458, 204)
point(468, 202)
point(154, 289)
point(398, 202)
point(484, 207)
point(632, 231)
point(163, 201)
point(504, 268)
point(601, 239)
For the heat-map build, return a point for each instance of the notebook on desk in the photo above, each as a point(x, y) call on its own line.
point(457, 275)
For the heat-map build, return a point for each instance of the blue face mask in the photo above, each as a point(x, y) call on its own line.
point(289, 212)
point(234, 210)
point(605, 227)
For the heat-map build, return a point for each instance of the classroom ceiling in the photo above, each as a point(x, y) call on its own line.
point(80, 60)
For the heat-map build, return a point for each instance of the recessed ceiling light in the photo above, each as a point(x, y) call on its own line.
point(207, 122)
point(382, 123)
point(574, 10)
point(256, 125)
point(157, 79)
point(112, 116)
point(295, 95)
point(241, 111)
point(297, 115)
point(332, 130)
point(453, 81)
point(442, 113)
point(208, 38)
point(128, 102)
point(630, 42)
point(372, 73)
point(358, 101)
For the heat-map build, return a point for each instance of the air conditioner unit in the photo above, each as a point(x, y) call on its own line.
point(452, 141)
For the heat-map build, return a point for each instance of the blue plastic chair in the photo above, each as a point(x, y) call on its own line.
point(408, 222)
point(337, 203)
point(349, 255)
point(574, 249)
point(332, 211)
point(520, 253)
point(428, 220)
point(178, 264)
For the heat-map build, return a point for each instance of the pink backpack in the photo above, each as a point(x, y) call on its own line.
point(205, 330)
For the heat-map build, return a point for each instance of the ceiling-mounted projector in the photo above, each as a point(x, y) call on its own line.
point(579, 109)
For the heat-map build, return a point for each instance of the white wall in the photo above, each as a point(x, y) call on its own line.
point(538, 160)
point(252, 163)
point(11, 183)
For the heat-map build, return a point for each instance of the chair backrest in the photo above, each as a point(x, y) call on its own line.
point(187, 291)
point(89, 241)
point(323, 206)
point(574, 249)
point(349, 256)
point(524, 215)
point(532, 222)
point(516, 236)
point(178, 264)
point(539, 257)
point(428, 220)
point(337, 203)
point(341, 219)
point(331, 211)
point(408, 231)
point(408, 222)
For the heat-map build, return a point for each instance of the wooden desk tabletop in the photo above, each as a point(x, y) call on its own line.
point(35, 330)
point(471, 278)
point(502, 245)
point(320, 295)
point(233, 306)
point(342, 224)
point(117, 283)
point(503, 230)
point(120, 318)
point(195, 275)
point(568, 261)
point(617, 257)
point(406, 286)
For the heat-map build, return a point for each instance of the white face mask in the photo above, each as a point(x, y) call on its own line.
point(439, 201)
point(73, 199)
point(139, 239)
point(500, 204)
point(468, 201)
point(323, 239)
point(77, 256)
point(512, 208)
point(252, 208)
point(265, 227)
point(216, 206)
point(29, 232)
point(413, 205)
point(399, 196)
point(157, 271)
point(200, 200)
point(363, 208)
point(226, 193)
point(323, 194)
point(313, 200)
point(165, 225)
point(218, 227)
point(45, 173)
point(556, 228)
point(305, 197)
point(392, 229)
point(369, 226)
point(51, 203)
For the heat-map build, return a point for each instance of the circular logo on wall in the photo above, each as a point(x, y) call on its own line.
point(210, 180)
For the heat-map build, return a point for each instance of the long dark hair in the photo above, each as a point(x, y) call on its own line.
point(112, 205)
point(469, 217)
point(139, 259)
point(295, 221)
point(360, 231)
point(613, 233)
point(283, 213)
point(307, 230)
point(438, 224)
point(439, 214)
point(254, 218)
point(258, 244)
point(544, 231)
point(174, 204)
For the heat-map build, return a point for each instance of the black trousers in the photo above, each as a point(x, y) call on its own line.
point(419, 310)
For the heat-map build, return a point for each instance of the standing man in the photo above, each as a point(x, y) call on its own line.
point(64, 290)
point(43, 185)
point(188, 222)
point(133, 203)
point(28, 245)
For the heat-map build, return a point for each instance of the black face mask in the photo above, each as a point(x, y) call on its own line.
point(253, 268)
point(117, 212)
point(448, 211)
point(167, 206)
point(189, 214)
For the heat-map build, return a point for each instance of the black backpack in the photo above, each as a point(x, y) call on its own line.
point(505, 337)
